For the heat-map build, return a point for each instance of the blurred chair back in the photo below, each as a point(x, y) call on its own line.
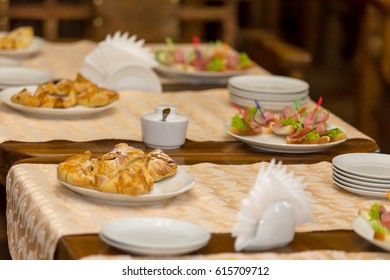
point(373, 69)
point(52, 19)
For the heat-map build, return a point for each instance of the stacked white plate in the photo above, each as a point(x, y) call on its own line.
point(272, 92)
point(154, 236)
point(365, 174)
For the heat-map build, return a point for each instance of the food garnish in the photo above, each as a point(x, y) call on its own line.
point(214, 57)
point(378, 217)
point(296, 123)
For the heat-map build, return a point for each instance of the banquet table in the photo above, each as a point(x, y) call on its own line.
point(44, 219)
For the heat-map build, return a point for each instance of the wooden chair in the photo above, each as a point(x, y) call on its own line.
point(373, 69)
point(261, 40)
point(47, 14)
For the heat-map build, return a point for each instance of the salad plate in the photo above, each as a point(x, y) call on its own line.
point(162, 190)
point(6, 94)
point(363, 229)
point(367, 165)
point(276, 143)
point(370, 193)
point(154, 236)
point(35, 47)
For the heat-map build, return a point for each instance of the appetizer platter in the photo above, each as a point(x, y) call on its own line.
point(66, 98)
point(202, 61)
point(295, 130)
point(125, 175)
point(374, 225)
point(20, 42)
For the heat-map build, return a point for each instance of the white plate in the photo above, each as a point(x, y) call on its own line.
point(36, 46)
point(275, 106)
point(359, 191)
point(266, 96)
point(270, 84)
point(162, 190)
point(154, 236)
point(134, 77)
point(359, 186)
point(360, 182)
point(19, 76)
point(277, 143)
point(360, 178)
point(6, 94)
point(370, 165)
point(363, 229)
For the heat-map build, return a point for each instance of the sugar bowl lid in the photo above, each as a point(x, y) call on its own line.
point(165, 113)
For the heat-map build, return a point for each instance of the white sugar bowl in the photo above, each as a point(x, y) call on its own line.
point(164, 128)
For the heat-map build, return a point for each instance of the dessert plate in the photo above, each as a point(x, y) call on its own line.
point(276, 143)
point(369, 185)
point(6, 94)
point(363, 229)
point(368, 165)
point(21, 76)
point(371, 193)
point(154, 236)
point(35, 47)
point(162, 190)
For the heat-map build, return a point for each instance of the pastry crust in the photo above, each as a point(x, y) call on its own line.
point(65, 94)
point(124, 170)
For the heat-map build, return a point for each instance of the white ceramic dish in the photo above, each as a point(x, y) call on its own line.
point(21, 76)
point(154, 236)
point(369, 165)
point(270, 84)
point(198, 75)
point(5, 97)
point(355, 190)
point(363, 229)
point(134, 77)
point(266, 96)
point(360, 178)
point(162, 190)
point(277, 143)
point(35, 47)
point(359, 186)
point(275, 106)
point(360, 182)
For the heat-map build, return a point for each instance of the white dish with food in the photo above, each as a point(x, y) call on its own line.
point(154, 236)
point(363, 229)
point(277, 143)
point(162, 190)
point(6, 94)
point(35, 47)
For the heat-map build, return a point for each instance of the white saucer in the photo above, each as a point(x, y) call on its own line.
point(369, 165)
point(268, 84)
point(154, 236)
point(366, 184)
point(20, 76)
point(133, 77)
point(358, 191)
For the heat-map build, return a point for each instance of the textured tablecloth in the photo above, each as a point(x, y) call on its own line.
point(40, 210)
point(207, 111)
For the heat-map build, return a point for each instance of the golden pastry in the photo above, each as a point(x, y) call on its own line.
point(124, 170)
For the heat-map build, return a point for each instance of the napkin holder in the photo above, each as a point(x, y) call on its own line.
point(275, 229)
point(274, 206)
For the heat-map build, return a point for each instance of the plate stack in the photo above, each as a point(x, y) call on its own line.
point(362, 173)
point(273, 93)
point(154, 236)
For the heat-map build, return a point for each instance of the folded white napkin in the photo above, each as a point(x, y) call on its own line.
point(114, 54)
point(275, 205)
